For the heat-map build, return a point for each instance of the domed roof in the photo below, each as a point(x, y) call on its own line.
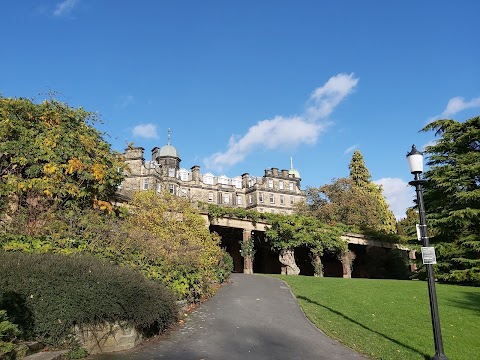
point(169, 150)
point(292, 171)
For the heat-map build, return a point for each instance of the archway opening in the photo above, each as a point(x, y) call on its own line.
point(231, 238)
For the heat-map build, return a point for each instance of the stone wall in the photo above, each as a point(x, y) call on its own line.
point(107, 338)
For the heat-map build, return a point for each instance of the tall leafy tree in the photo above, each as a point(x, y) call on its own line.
point(359, 173)
point(354, 201)
point(361, 179)
point(51, 156)
point(452, 197)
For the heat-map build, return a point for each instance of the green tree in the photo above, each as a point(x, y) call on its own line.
point(361, 179)
point(287, 232)
point(452, 197)
point(359, 173)
point(355, 201)
point(51, 156)
point(407, 226)
point(343, 202)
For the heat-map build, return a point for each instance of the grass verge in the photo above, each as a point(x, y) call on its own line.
point(390, 319)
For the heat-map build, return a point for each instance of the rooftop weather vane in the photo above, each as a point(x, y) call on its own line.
point(168, 136)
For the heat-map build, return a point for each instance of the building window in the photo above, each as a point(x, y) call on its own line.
point(260, 209)
point(171, 189)
point(223, 180)
point(280, 185)
point(226, 198)
point(239, 200)
point(272, 211)
point(208, 179)
point(184, 175)
point(270, 184)
point(145, 184)
point(282, 199)
point(171, 172)
point(291, 186)
point(260, 197)
point(272, 199)
point(210, 197)
point(184, 193)
point(250, 199)
point(292, 200)
point(159, 187)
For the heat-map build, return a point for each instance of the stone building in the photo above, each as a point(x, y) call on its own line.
point(277, 191)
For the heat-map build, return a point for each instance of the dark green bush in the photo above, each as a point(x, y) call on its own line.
point(48, 294)
point(225, 267)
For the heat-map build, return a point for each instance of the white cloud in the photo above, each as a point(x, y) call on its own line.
point(146, 131)
point(398, 193)
point(124, 101)
point(324, 99)
point(456, 105)
point(350, 149)
point(65, 7)
point(288, 131)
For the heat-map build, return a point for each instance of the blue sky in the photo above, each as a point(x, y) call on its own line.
point(245, 85)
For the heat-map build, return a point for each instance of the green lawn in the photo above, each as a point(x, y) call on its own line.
point(390, 319)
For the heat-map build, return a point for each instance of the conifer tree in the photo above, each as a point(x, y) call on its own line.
point(361, 180)
point(359, 173)
point(452, 197)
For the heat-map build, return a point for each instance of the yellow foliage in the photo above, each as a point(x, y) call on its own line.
point(73, 189)
point(49, 168)
point(99, 172)
point(167, 227)
point(49, 143)
point(74, 165)
point(102, 205)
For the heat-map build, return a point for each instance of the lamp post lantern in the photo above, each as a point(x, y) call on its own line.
point(415, 161)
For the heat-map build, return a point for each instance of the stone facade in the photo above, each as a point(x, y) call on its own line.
point(277, 191)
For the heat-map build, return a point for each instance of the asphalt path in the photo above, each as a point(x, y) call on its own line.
point(254, 317)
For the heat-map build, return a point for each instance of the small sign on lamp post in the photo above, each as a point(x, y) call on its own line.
point(428, 255)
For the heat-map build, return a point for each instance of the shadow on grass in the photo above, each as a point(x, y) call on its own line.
point(470, 301)
point(365, 327)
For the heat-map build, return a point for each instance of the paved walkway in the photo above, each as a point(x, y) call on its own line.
point(253, 318)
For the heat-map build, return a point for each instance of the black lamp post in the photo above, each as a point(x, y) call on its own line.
point(415, 161)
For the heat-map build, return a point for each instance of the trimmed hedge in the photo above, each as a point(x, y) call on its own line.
point(48, 294)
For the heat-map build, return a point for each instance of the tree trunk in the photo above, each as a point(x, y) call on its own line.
point(317, 265)
point(347, 257)
point(247, 265)
point(287, 259)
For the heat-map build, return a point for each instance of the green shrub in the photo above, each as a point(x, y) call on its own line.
point(8, 332)
point(48, 294)
point(225, 267)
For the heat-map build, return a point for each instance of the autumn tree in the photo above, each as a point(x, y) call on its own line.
point(167, 229)
point(354, 201)
point(452, 197)
point(51, 157)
